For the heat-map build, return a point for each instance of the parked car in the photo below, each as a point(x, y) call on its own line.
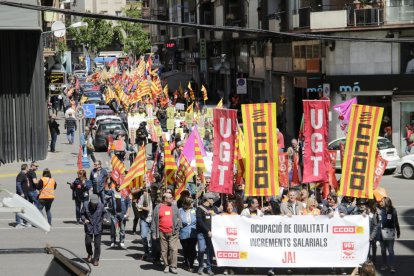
point(385, 147)
point(105, 118)
point(405, 166)
point(103, 110)
point(100, 141)
point(93, 94)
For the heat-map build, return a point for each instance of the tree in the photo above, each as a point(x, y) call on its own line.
point(133, 37)
point(95, 37)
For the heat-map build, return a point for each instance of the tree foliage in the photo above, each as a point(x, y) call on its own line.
point(133, 37)
point(96, 36)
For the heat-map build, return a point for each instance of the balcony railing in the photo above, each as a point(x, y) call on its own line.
point(49, 43)
point(301, 18)
point(399, 11)
point(146, 13)
point(366, 17)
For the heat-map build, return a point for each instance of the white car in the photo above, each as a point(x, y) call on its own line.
point(405, 166)
point(385, 147)
point(102, 118)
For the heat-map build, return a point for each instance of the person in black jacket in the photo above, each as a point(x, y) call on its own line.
point(80, 193)
point(204, 215)
point(92, 217)
point(70, 126)
point(54, 132)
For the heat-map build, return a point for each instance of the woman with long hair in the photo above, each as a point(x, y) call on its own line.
point(389, 226)
point(80, 193)
point(47, 186)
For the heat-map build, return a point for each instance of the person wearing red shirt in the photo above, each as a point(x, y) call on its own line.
point(166, 224)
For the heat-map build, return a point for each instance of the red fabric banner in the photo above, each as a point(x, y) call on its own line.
point(225, 126)
point(332, 177)
point(283, 170)
point(295, 171)
point(316, 157)
point(380, 166)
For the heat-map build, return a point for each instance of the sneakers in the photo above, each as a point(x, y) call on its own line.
point(200, 271)
point(270, 272)
point(122, 245)
point(226, 272)
point(210, 273)
point(392, 269)
point(383, 268)
point(166, 269)
point(28, 225)
point(231, 271)
point(112, 245)
point(173, 270)
point(19, 226)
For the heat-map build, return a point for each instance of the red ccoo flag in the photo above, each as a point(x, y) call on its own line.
point(137, 168)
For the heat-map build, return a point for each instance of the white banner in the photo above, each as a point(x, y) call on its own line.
point(298, 241)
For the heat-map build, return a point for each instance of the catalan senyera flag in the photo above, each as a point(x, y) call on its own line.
point(165, 90)
point(170, 166)
point(141, 67)
point(156, 87)
point(110, 94)
point(204, 91)
point(190, 89)
point(359, 156)
point(190, 108)
point(220, 103)
point(137, 168)
point(137, 182)
point(198, 156)
point(117, 164)
point(184, 174)
point(259, 125)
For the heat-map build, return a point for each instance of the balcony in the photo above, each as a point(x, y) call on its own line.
point(338, 17)
point(49, 45)
point(399, 12)
point(158, 39)
point(145, 13)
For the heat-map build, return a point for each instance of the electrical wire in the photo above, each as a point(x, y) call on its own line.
point(233, 29)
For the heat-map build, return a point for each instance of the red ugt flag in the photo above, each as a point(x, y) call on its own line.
point(225, 126)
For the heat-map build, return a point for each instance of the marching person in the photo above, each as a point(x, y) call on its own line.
point(92, 217)
point(292, 206)
point(389, 226)
point(188, 233)
point(364, 210)
point(120, 146)
point(166, 224)
point(311, 208)
point(80, 193)
point(47, 186)
point(204, 214)
point(145, 217)
point(252, 208)
point(89, 144)
point(32, 194)
point(98, 176)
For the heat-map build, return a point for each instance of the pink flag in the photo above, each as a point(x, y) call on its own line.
point(188, 149)
point(344, 111)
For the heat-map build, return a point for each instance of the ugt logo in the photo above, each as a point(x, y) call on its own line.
point(231, 235)
point(348, 249)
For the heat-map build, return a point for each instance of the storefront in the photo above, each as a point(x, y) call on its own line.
point(395, 93)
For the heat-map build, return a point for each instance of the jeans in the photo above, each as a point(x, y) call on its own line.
point(78, 208)
point(145, 229)
point(46, 203)
point(189, 251)
point(204, 246)
point(97, 245)
point(53, 141)
point(387, 245)
point(70, 134)
point(32, 197)
point(116, 220)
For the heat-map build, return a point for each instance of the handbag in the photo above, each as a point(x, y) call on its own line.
point(388, 234)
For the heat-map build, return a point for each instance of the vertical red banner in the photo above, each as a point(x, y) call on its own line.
point(283, 170)
point(316, 157)
point(225, 126)
point(380, 167)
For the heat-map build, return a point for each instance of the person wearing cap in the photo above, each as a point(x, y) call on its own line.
point(92, 217)
point(204, 214)
point(54, 132)
point(166, 224)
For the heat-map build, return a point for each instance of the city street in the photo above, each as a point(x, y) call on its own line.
point(65, 233)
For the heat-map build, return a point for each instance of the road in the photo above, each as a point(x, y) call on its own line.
point(65, 233)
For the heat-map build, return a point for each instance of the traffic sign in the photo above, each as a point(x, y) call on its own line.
point(79, 113)
point(90, 111)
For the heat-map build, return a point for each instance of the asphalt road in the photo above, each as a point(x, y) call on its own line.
point(65, 233)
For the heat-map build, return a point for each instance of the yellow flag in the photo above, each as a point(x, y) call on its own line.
point(204, 91)
point(220, 103)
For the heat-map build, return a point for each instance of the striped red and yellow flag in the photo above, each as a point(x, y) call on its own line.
point(122, 96)
point(144, 88)
point(137, 182)
point(190, 108)
point(190, 89)
point(141, 67)
point(110, 94)
point(220, 104)
point(198, 157)
point(170, 166)
point(204, 91)
point(166, 90)
point(262, 161)
point(137, 168)
point(156, 87)
point(117, 164)
point(184, 174)
point(360, 148)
